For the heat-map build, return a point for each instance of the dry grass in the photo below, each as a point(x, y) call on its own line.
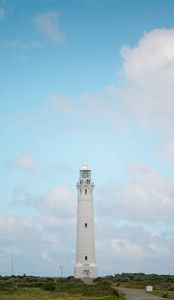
point(34, 293)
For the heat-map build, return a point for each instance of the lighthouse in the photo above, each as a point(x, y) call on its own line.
point(85, 245)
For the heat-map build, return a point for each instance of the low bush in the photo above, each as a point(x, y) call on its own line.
point(49, 287)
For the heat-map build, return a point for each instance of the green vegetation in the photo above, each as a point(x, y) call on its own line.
point(141, 280)
point(159, 293)
point(30, 288)
point(160, 283)
point(48, 288)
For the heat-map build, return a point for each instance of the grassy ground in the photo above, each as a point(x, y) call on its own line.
point(159, 293)
point(35, 293)
point(45, 288)
point(49, 288)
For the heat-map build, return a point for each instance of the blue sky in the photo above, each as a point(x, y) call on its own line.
point(87, 81)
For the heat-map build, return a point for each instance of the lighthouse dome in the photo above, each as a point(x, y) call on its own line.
point(85, 167)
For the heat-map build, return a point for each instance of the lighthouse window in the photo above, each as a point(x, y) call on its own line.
point(85, 174)
point(85, 191)
point(86, 258)
point(86, 224)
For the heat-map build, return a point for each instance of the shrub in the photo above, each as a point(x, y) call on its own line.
point(104, 282)
point(48, 287)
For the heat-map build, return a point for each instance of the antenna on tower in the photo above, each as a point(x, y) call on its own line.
point(61, 271)
point(12, 263)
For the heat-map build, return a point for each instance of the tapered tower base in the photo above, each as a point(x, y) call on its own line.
point(85, 271)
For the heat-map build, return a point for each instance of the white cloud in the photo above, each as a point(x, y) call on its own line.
point(124, 248)
point(48, 24)
point(161, 250)
point(21, 196)
point(152, 60)
point(146, 196)
point(166, 149)
point(149, 71)
point(147, 96)
point(1, 13)
point(59, 103)
point(13, 227)
point(36, 251)
point(88, 109)
point(49, 240)
point(24, 162)
point(131, 249)
point(59, 201)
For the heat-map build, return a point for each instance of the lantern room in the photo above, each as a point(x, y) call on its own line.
point(85, 173)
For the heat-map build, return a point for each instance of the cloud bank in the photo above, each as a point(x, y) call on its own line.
point(24, 162)
point(48, 24)
point(146, 197)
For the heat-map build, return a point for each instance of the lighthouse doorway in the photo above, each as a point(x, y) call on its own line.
point(86, 273)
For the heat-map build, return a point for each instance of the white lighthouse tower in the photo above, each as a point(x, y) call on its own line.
point(85, 247)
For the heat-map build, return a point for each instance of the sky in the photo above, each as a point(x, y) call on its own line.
point(86, 81)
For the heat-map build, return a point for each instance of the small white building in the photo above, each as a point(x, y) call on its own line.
point(85, 246)
point(149, 288)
